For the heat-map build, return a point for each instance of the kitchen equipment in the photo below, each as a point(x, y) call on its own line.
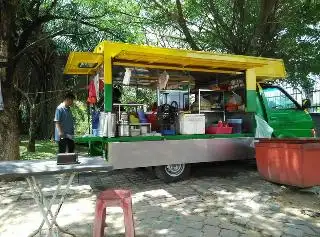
point(123, 129)
point(107, 124)
point(124, 117)
point(167, 117)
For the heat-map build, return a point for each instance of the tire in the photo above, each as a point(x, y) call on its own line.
point(172, 173)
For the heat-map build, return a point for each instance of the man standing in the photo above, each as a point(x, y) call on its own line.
point(64, 125)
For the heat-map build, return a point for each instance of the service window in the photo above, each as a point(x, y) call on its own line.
point(278, 100)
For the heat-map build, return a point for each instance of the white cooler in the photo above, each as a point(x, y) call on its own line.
point(192, 123)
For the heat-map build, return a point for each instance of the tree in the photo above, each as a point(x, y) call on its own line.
point(42, 66)
point(287, 29)
point(27, 24)
point(302, 49)
point(9, 134)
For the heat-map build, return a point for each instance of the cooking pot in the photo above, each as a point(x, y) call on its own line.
point(123, 129)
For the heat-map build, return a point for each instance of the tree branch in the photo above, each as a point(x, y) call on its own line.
point(83, 22)
point(26, 48)
point(24, 94)
point(184, 27)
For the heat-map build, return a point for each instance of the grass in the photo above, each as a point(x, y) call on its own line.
point(45, 149)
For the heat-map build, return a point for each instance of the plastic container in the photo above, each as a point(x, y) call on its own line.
point(142, 116)
point(168, 132)
point(152, 118)
point(133, 119)
point(95, 119)
point(144, 130)
point(95, 132)
point(236, 125)
point(192, 123)
point(135, 132)
point(289, 161)
point(218, 130)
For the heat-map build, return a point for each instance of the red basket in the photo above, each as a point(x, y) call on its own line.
point(218, 130)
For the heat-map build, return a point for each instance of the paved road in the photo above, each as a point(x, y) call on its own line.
point(226, 199)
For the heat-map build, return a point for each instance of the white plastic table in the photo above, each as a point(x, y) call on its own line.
point(31, 169)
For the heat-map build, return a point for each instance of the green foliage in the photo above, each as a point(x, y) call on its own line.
point(139, 95)
point(288, 29)
point(44, 150)
point(86, 23)
point(299, 44)
point(80, 115)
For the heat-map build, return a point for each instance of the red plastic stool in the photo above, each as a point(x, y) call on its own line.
point(112, 198)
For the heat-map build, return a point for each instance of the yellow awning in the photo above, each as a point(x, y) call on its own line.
point(80, 63)
point(130, 55)
point(190, 62)
point(265, 68)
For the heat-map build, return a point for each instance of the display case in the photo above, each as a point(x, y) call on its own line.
point(218, 107)
point(136, 106)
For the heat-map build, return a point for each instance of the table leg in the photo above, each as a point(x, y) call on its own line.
point(42, 203)
point(36, 197)
point(54, 217)
point(44, 200)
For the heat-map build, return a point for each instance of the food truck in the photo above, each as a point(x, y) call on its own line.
point(209, 106)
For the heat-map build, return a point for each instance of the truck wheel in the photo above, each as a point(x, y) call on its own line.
point(172, 173)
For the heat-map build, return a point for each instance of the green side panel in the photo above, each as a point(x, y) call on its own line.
point(158, 138)
point(133, 139)
point(206, 136)
point(251, 101)
point(107, 97)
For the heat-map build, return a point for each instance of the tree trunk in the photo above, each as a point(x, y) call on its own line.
point(9, 122)
point(32, 129)
point(9, 127)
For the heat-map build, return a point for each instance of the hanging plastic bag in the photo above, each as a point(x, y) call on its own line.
point(235, 99)
point(163, 80)
point(263, 129)
point(96, 85)
point(127, 76)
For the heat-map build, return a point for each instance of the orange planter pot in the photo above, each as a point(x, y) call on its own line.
point(293, 162)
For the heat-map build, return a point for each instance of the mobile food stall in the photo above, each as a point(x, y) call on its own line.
point(207, 108)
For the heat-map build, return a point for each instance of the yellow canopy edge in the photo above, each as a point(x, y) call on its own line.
point(83, 63)
point(130, 55)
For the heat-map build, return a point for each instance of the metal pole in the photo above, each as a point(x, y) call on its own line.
point(199, 100)
point(88, 108)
